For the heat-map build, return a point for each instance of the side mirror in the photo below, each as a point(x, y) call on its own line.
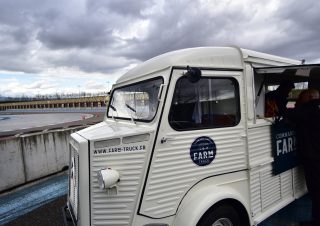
point(193, 74)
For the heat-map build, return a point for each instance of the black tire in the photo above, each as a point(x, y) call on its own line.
point(221, 213)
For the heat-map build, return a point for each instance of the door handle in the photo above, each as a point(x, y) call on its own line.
point(165, 139)
point(243, 136)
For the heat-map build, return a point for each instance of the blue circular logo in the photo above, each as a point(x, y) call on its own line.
point(203, 151)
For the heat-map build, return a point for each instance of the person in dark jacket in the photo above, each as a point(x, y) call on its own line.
point(276, 101)
point(306, 117)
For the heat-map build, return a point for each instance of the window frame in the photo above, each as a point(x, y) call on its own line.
point(237, 99)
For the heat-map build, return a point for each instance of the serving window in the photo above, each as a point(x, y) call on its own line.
point(268, 79)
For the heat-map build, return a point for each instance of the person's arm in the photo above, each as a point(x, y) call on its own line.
point(282, 106)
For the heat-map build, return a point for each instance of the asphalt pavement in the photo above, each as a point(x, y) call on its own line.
point(49, 214)
point(29, 121)
point(19, 122)
point(36, 203)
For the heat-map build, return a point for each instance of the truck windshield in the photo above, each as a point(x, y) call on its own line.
point(138, 101)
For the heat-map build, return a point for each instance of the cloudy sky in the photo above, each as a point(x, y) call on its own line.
point(66, 46)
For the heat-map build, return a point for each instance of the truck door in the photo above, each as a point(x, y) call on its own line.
point(201, 134)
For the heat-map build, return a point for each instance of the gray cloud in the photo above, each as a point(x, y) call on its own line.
point(106, 36)
point(123, 7)
point(184, 24)
point(79, 33)
point(298, 22)
point(84, 60)
point(289, 30)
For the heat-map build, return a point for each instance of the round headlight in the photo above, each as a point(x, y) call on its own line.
point(108, 178)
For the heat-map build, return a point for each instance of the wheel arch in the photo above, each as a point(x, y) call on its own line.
point(206, 195)
point(244, 217)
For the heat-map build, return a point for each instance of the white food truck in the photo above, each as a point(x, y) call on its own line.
point(185, 142)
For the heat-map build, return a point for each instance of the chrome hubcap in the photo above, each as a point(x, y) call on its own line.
point(222, 222)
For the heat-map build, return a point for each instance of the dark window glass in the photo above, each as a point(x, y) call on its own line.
point(209, 103)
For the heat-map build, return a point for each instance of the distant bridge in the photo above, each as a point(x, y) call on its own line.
point(82, 102)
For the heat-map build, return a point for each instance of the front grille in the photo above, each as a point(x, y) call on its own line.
point(74, 180)
point(111, 208)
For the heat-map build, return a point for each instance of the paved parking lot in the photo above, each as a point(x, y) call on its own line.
point(12, 123)
point(299, 210)
point(28, 121)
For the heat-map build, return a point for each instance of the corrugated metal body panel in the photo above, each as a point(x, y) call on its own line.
point(270, 187)
point(267, 190)
point(173, 172)
point(259, 145)
point(286, 183)
point(116, 206)
point(255, 191)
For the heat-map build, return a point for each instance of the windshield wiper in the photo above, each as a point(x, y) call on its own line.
point(112, 107)
point(132, 109)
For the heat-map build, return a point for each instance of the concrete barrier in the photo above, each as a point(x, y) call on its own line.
point(28, 157)
point(12, 170)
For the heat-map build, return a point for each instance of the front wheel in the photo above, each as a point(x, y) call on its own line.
point(223, 215)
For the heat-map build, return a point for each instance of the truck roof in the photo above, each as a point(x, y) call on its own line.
point(206, 57)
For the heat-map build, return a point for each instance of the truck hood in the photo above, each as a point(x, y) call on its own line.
point(109, 130)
